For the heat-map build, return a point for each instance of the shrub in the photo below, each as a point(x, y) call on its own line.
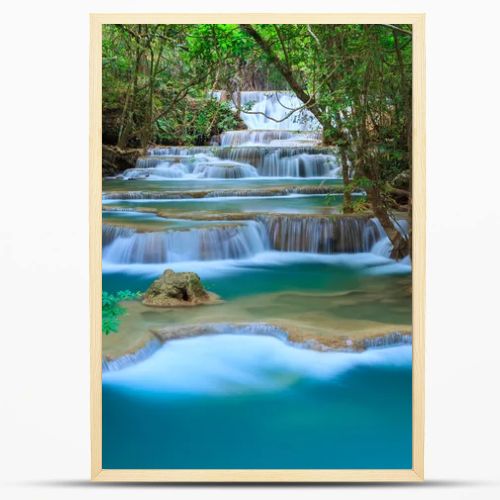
point(111, 309)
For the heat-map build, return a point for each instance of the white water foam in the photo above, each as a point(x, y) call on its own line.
point(383, 247)
point(220, 199)
point(234, 363)
point(199, 167)
point(310, 166)
point(368, 262)
point(277, 105)
point(271, 137)
point(244, 243)
point(211, 243)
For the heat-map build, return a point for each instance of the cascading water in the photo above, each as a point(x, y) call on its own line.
point(111, 233)
point(383, 246)
point(272, 110)
point(274, 145)
point(248, 214)
point(322, 234)
point(126, 246)
point(122, 245)
point(224, 169)
point(288, 138)
point(196, 166)
point(237, 162)
point(219, 193)
point(301, 165)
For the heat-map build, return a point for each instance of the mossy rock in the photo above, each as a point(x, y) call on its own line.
point(173, 289)
point(402, 180)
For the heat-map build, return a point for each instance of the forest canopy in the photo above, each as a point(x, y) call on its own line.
point(160, 83)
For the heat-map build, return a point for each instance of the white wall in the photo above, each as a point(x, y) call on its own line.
point(44, 450)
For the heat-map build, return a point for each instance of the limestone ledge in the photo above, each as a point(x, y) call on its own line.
point(329, 213)
point(222, 193)
point(148, 342)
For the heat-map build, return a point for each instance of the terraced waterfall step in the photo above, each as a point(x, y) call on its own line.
point(221, 193)
point(254, 210)
point(241, 161)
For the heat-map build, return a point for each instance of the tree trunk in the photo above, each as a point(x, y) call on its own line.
point(400, 246)
point(407, 95)
point(347, 207)
point(147, 130)
point(330, 135)
point(285, 71)
point(128, 118)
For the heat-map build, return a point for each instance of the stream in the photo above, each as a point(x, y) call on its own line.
point(250, 214)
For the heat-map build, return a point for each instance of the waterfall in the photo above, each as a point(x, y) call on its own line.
point(126, 246)
point(312, 234)
point(235, 163)
point(220, 193)
point(391, 339)
point(278, 147)
point(224, 169)
point(276, 105)
point(283, 191)
point(162, 170)
point(111, 233)
point(244, 154)
point(145, 352)
point(197, 166)
point(157, 168)
point(178, 151)
point(239, 138)
point(383, 247)
point(147, 162)
point(322, 234)
point(301, 165)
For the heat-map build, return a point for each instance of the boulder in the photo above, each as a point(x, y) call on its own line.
point(402, 180)
point(116, 160)
point(173, 289)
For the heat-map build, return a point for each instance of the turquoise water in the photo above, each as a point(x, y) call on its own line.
point(375, 296)
point(254, 276)
point(252, 402)
point(279, 204)
point(151, 221)
point(210, 184)
point(245, 398)
point(233, 401)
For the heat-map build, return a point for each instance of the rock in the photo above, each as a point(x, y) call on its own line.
point(402, 180)
point(173, 289)
point(111, 118)
point(116, 160)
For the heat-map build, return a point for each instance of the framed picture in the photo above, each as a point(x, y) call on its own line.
point(257, 247)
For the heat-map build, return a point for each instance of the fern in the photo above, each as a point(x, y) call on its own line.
point(112, 310)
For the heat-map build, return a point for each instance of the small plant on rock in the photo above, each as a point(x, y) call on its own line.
point(111, 309)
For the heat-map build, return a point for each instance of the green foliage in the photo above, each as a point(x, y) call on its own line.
point(111, 309)
point(360, 206)
point(157, 80)
point(360, 77)
point(361, 182)
point(195, 122)
point(214, 41)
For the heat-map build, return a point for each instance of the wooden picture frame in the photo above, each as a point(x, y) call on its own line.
point(418, 256)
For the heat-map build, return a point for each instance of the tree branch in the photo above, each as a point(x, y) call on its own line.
point(276, 120)
point(284, 70)
point(311, 32)
point(397, 28)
